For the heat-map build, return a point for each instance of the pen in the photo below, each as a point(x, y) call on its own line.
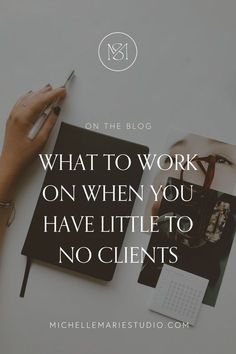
point(46, 112)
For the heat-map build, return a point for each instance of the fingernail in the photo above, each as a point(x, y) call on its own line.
point(57, 110)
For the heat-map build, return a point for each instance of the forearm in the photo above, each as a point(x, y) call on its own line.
point(18, 150)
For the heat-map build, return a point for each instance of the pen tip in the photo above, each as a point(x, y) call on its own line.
point(72, 73)
point(70, 77)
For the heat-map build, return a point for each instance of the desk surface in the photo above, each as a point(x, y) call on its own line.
point(184, 76)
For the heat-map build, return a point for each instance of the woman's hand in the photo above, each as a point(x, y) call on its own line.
point(18, 150)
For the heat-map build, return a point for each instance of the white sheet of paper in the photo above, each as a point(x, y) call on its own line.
point(179, 294)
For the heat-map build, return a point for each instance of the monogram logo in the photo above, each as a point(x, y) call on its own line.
point(117, 51)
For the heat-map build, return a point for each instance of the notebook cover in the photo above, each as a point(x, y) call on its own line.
point(45, 246)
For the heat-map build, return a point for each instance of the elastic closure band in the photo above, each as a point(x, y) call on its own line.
point(26, 276)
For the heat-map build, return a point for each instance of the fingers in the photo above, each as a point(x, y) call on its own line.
point(46, 129)
point(46, 98)
point(46, 88)
point(43, 99)
point(23, 97)
point(53, 95)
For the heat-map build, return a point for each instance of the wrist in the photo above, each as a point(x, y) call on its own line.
point(8, 180)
